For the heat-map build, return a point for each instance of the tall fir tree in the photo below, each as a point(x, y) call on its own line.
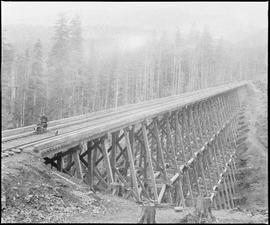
point(77, 79)
point(38, 81)
point(58, 68)
point(6, 72)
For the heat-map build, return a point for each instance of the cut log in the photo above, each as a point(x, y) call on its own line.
point(178, 209)
point(148, 214)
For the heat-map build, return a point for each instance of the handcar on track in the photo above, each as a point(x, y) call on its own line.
point(42, 125)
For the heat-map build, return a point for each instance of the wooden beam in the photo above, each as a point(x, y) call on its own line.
point(132, 139)
point(78, 165)
point(181, 140)
point(149, 159)
point(93, 165)
point(90, 148)
point(203, 175)
point(101, 157)
point(69, 164)
point(107, 161)
point(174, 178)
point(99, 176)
point(142, 143)
point(161, 193)
point(186, 127)
point(90, 168)
point(122, 179)
point(60, 161)
point(143, 188)
point(50, 161)
point(160, 150)
point(190, 187)
point(131, 163)
point(121, 153)
point(170, 142)
point(57, 156)
point(173, 147)
point(127, 186)
point(113, 151)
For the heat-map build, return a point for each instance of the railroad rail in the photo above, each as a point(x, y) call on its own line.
point(169, 150)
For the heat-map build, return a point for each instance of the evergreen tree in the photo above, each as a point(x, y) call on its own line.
point(24, 105)
point(59, 52)
point(58, 68)
point(206, 58)
point(89, 75)
point(77, 79)
point(38, 82)
point(6, 70)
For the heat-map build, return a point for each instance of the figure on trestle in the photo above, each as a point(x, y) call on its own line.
point(42, 125)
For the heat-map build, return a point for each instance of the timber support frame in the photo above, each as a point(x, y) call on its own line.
point(172, 157)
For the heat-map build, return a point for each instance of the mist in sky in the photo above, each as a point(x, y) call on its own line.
point(73, 58)
point(222, 18)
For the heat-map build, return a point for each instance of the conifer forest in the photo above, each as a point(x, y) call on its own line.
point(111, 67)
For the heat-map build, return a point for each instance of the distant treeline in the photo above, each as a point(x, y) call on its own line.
point(69, 82)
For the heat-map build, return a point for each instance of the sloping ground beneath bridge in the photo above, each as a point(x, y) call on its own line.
point(253, 176)
point(35, 194)
point(32, 192)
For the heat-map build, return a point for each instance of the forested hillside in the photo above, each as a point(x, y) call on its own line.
point(77, 70)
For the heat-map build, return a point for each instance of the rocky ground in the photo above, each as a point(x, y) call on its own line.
point(32, 192)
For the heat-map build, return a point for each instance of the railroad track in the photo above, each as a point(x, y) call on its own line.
point(11, 143)
point(13, 132)
point(23, 135)
point(28, 130)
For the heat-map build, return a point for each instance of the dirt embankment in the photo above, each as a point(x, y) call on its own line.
point(31, 192)
point(253, 180)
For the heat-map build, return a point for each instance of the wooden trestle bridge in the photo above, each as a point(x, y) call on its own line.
point(168, 151)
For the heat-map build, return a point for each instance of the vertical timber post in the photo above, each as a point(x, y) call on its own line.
point(131, 164)
point(149, 159)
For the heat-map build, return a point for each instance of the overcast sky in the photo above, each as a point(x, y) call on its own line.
point(220, 16)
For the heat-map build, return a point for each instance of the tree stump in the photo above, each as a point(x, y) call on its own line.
point(203, 207)
point(3, 196)
point(148, 214)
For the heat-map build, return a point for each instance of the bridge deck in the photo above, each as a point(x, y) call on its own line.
point(75, 129)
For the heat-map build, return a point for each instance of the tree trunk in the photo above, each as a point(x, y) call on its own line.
point(47, 95)
point(107, 92)
point(23, 110)
point(117, 91)
point(95, 95)
point(13, 96)
point(82, 99)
